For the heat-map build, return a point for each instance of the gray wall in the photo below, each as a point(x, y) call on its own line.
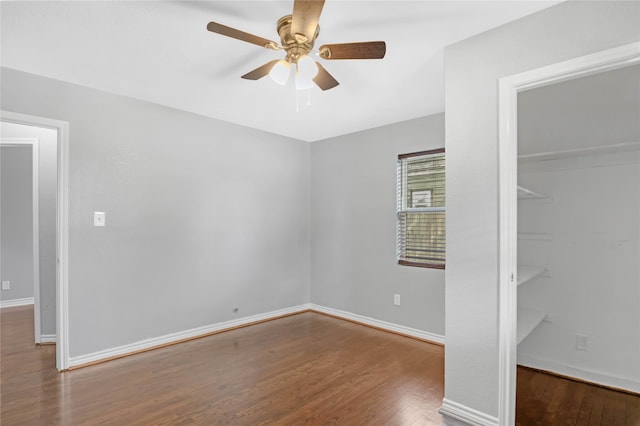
point(353, 227)
point(47, 175)
point(596, 110)
point(473, 67)
point(201, 215)
point(16, 205)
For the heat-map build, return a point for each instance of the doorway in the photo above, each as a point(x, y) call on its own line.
point(20, 157)
point(509, 87)
point(58, 190)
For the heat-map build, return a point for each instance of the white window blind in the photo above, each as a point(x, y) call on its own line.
point(421, 209)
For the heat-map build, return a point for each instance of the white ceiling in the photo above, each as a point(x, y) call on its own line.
point(160, 51)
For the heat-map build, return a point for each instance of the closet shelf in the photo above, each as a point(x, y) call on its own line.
point(543, 236)
point(527, 194)
point(528, 320)
point(581, 152)
point(527, 273)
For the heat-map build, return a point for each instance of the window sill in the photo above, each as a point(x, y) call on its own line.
point(420, 265)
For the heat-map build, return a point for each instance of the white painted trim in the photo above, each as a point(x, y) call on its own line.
point(509, 87)
point(153, 342)
point(395, 328)
point(16, 302)
point(62, 228)
point(583, 66)
point(581, 374)
point(35, 226)
point(457, 414)
point(507, 260)
point(48, 338)
point(208, 329)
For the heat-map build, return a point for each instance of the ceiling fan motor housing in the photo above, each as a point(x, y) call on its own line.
point(296, 45)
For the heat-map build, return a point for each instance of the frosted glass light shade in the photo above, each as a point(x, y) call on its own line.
point(306, 71)
point(302, 84)
point(280, 72)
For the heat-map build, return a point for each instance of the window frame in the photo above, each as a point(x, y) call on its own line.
point(402, 195)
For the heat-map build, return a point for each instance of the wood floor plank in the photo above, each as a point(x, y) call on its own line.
point(530, 388)
point(557, 406)
point(632, 413)
point(597, 409)
point(619, 410)
point(573, 409)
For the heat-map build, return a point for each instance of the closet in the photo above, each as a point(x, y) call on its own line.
point(579, 228)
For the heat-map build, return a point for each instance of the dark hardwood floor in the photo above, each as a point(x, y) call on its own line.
point(544, 399)
point(304, 369)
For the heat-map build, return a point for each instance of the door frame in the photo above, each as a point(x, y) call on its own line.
point(35, 226)
point(62, 227)
point(509, 87)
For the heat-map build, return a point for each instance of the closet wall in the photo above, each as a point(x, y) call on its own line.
point(579, 146)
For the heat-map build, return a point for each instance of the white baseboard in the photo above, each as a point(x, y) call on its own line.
point(47, 339)
point(395, 328)
point(147, 344)
point(167, 339)
point(577, 373)
point(16, 302)
point(460, 415)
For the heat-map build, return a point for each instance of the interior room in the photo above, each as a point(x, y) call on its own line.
point(224, 238)
point(28, 252)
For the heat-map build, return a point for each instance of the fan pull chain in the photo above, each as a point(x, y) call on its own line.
point(308, 103)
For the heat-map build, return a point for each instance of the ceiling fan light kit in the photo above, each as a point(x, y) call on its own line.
point(306, 71)
point(298, 33)
point(280, 72)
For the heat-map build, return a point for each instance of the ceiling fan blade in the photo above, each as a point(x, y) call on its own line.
point(324, 80)
point(214, 27)
point(304, 21)
point(363, 50)
point(261, 71)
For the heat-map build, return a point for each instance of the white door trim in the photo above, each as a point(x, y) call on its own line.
point(509, 87)
point(35, 227)
point(62, 228)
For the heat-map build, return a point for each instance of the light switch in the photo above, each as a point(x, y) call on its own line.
point(98, 218)
point(396, 299)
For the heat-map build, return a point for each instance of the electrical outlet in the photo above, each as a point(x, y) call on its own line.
point(99, 219)
point(582, 342)
point(396, 299)
point(6, 285)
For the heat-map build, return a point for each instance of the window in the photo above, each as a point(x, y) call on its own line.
point(421, 209)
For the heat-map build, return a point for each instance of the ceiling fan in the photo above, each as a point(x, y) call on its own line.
point(298, 32)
